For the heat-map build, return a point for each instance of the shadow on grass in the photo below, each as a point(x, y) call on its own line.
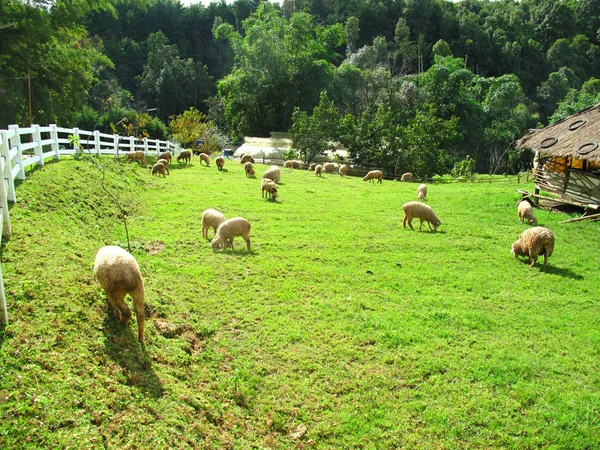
point(124, 349)
point(224, 170)
point(562, 272)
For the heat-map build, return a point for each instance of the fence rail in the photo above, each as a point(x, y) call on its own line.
point(28, 146)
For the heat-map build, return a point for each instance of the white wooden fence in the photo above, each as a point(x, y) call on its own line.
point(23, 147)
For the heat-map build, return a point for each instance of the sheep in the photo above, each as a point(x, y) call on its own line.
point(328, 167)
point(249, 169)
point(312, 167)
point(211, 218)
point(269, 187)
point(318, 170)
point(228, 230)
point(247, 157)
point(186, 156)
point(293, 164)
point(288, 164)
point(525, 211)
point(420, 211)
point(422, 192)
point(137, 156)
point(374, 175)
point(220, 162)
point(408, 177)
point(158, 168)
point(343, 170)
point(119, 274)
point(204, 157)
point(533, 242)
point(166, 155)
point(273, 173)
point(165, 163)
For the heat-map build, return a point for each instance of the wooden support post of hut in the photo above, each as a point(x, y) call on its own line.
point(567, 160)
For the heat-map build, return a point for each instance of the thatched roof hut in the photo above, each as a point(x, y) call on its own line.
point(568, 157)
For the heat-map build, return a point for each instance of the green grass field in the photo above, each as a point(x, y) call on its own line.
point(340, 329)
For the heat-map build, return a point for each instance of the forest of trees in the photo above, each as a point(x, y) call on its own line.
point(413, 85)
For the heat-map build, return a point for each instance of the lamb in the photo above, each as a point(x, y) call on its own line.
point(137, 156)
point(533, 242)
point(158, 168)
point(318, 170)
point(228, 230)
point(312, 167)
point(249, 169)
point(328, 167)
point(422, 192)
point(119, 274)
point(204, 157)
point(374, 175)
point(343, 170)
point(269, 187)
point(420, 211)
point(165, 155)
point(273, 173)
point(211, 218)
point(288, 164)
point(525, 211)
point(165, 163)
point(220, 162)
point(408, 177)
point(247, 157)
point(297, 164)
point(186, 156)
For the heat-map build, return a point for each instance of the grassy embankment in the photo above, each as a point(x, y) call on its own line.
point(340, 329)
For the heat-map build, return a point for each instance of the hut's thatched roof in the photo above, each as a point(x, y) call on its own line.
point(577, 136)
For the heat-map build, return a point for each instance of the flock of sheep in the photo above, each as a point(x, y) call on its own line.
point(118, 273)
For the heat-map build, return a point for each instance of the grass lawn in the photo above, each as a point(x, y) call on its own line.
point(341, 329)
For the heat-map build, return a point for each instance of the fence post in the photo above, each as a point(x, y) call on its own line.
point(6, 232)
point(116, 145)
point(132, 143)
point(146, 146)
point(3, 299)
point(16, 141)
point(97, 142)
point(38, 151)
point(519, 177)
point(7, 171)
point(54, 137)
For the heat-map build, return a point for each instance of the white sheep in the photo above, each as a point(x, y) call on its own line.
point(247, 157)
point(420, 211)
point(525, 211)
point(220, 162)
point(318, 170)
point(185, 155)
point(422, 192)
point(228, 230)
point(408, 177)
point(269, 187)
point(249, 169)
point(328, 167)
point(119, 274)
point(343, 170)
point(211, 218)
point(374, 175)
point(272, 173)
point(204, 157)
point(533, 242)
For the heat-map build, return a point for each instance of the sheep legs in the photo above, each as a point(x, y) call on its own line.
point(409, 220)
point(247, 239)
point(121, 310)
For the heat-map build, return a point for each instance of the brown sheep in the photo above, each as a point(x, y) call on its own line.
point(185, 156)
point(408, 177)
point(533, 242)
point(374, 175)
point(220, 162)
point(137, 156)
point(319, 170)
point(269, 187)
point(159, 168)
point(249, 169)
point(328, 167)
point(166, 155)
point(420, 211)
point(343, 170)
point(228, 230)
point(204, 157)
point(247, 157)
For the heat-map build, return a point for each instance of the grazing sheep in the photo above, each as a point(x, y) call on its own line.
point(343, 170)
point(166, 155)
point(165, 163)
point(374, 175)
point(328, 167)
point(119, 274)
point(422, 192)
point(408, 177)
point(186, 156)
point(289, 164)
point(159, 168)
point(420, 211)
point(297, 164)
point(204, 157)
point(220, 162)
point(247, 157)
point(269, 187)
point(319, 170)
point(249, 169)
point(211, 218)
point(312, 167)
point(533, 242)
point(228, 230)
point(273, 173)
point(525, 211)
point(137, 156)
